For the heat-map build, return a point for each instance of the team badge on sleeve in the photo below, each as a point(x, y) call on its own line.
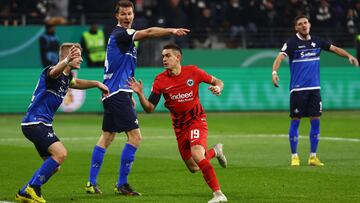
point(284, 47)
point(130, 31)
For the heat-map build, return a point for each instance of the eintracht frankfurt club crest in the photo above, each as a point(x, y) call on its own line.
point(190, 82)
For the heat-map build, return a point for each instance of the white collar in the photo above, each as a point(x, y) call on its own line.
point(303, 39)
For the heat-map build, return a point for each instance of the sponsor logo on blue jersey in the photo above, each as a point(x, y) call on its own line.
point(303, 54)
point(304, 61)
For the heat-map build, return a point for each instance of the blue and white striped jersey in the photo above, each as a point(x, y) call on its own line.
point(48, 96)
point(304, 61)
point(120, 60)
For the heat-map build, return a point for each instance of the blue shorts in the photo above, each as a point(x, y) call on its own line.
point(42, 136)
point(119, 113)
point(306, 103)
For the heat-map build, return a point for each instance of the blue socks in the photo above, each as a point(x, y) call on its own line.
point(96, 162)
point(42, 175)
point(127, 158)
point(294, 135)
point(314, 135)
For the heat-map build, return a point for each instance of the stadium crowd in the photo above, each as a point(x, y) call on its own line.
point(235, 21)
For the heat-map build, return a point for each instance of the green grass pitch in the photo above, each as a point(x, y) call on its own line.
point(255, 143)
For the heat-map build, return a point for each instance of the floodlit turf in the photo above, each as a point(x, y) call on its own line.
point(255, 143)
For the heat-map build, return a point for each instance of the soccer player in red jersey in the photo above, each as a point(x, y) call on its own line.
point(179, 86)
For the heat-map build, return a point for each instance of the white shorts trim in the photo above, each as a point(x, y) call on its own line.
point(304, 88)
point(35, 123)
point(120, 90)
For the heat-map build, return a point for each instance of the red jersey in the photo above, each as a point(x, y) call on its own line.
point(181, 94)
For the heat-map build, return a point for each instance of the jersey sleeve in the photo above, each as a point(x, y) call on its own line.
point(49, 80)
point(156, 88)
point(124, 38)
point(47, 73)
point(154, 98)
point(203, 76)
point(285, 49)
point(47, 69)
point(325, 44)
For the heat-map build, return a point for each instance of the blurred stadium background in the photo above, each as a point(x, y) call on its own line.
point(235, 40)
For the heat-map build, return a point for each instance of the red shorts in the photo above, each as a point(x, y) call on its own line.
point(195, 134)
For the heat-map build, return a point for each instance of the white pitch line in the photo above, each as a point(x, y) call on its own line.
point(171, 136)
point(306, 137)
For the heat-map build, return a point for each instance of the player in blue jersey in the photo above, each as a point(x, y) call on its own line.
point(119, 112)
point(50, 91)
point(303, 51)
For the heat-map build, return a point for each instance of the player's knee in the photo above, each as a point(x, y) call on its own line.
point(197, 155)
point(191, 165)
point(61, 156)
point(106, 143)
point(135, 133)
point(138, 139)
point(135, 140)
point(106, 140)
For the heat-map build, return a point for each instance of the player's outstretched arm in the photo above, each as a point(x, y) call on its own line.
point(86, 84)
point(137, 87)
point(275, 68)
point(159, 32)
point(216, 86)
point(341, 52)
point(74, 53)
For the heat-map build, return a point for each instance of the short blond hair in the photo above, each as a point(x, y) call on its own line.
point(65, 47)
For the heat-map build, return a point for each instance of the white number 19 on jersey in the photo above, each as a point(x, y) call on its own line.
point(195, 134)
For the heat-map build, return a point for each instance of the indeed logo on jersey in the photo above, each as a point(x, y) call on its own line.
point(183, 97)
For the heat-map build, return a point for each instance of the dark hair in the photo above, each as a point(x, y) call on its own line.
point(173, 46)
point(124, 4)
point(299, 17)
